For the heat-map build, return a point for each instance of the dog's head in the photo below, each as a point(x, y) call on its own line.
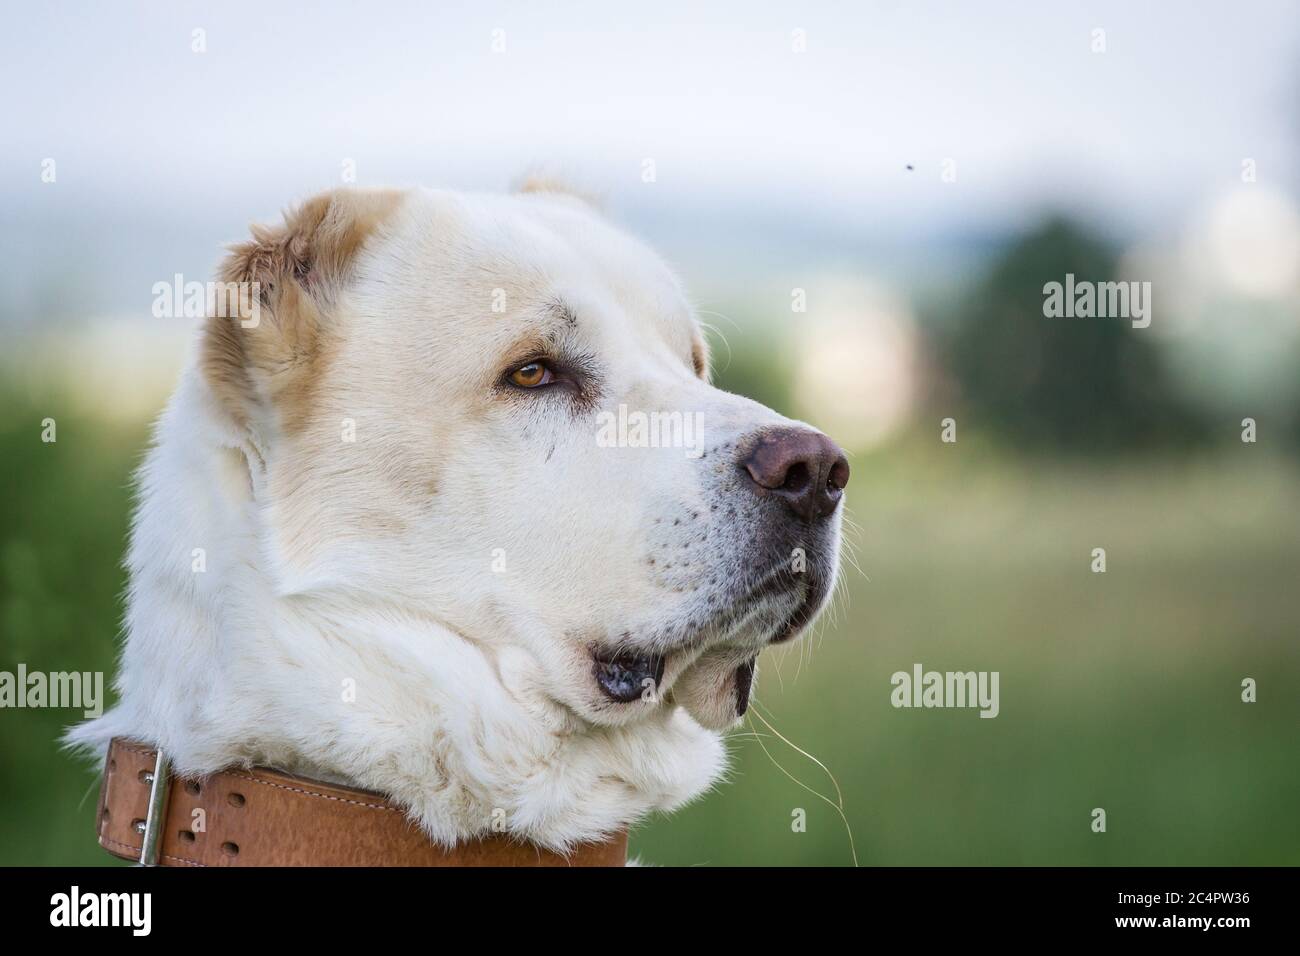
point(495, 411)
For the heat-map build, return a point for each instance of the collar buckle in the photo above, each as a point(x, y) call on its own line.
point(156, 816)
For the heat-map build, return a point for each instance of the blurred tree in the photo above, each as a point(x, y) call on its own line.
point(1054, 383)
point(1057, 383)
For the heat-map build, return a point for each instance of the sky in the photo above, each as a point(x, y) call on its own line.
point(164, 151)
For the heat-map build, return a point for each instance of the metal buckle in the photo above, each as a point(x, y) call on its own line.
point(156, 816)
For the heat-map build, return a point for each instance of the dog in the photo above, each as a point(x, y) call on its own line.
point(380, 541)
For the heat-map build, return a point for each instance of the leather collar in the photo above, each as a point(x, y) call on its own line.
point(262, 817)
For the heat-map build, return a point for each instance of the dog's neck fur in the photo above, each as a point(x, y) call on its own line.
point(222, 667)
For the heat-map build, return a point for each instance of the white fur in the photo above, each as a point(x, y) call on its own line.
point(369, 564)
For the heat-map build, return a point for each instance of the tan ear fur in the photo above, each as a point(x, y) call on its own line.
point(546, 183)
point(268, 356)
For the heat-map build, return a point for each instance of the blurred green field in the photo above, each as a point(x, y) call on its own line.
point(64, 511)
point(1118, 690)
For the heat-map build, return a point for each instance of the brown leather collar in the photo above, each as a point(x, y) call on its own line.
point(265, 818)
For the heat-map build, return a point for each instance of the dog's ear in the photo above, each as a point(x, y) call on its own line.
point(538, 182)
point(269, 324)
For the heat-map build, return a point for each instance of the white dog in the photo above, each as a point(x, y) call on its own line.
point(384, 537)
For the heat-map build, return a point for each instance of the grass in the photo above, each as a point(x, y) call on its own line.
point(1118, 690)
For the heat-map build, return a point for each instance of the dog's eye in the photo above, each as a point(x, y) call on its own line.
point(532, 375)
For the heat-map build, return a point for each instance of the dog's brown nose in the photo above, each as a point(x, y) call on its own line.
point(804, 468)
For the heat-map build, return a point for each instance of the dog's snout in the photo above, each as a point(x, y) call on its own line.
point(802, 467)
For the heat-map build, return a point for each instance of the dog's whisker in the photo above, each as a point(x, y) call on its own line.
point(719, 334)
point(837, 806)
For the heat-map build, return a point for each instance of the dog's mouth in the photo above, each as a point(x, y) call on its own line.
point(743, 683)
point(808, 591)
point(626, 675)
point(813, 595)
